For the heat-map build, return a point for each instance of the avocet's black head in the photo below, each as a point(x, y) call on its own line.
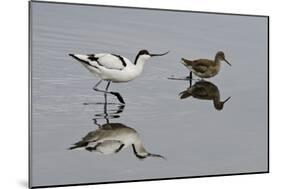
point(143, 52)
point(144, 55)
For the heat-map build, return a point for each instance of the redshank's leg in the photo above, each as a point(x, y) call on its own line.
point(190, 76)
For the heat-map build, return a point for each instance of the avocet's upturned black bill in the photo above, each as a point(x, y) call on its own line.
point(114, 68)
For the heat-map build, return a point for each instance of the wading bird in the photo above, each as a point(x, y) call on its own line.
point(205, 68)
point(111, 138)
point(114, 68)
point(205, 90)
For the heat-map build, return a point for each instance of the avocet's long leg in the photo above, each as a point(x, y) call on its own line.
point(108, 83)
point(96, 123)
point(105, 94)
point(105, 105)
point(96, 85)
point(119, 97)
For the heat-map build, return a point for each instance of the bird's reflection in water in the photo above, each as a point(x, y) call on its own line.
point(205, 90)
point(111, 138)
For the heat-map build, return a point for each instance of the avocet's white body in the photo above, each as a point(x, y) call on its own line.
point(111, 67)
point(114, 68)
point(111, 138)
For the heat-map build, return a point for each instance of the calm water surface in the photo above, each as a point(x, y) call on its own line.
point(194, 137)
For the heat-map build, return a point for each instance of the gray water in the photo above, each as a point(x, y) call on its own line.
point(195, 138)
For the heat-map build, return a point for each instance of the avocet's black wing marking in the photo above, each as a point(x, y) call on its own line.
point(121, 59)
point(92, 57)
point(107, 146)
point(83, 60)
point(109, 61)
point(120, 148)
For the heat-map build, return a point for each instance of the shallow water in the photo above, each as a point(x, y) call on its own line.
point(194, 137)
